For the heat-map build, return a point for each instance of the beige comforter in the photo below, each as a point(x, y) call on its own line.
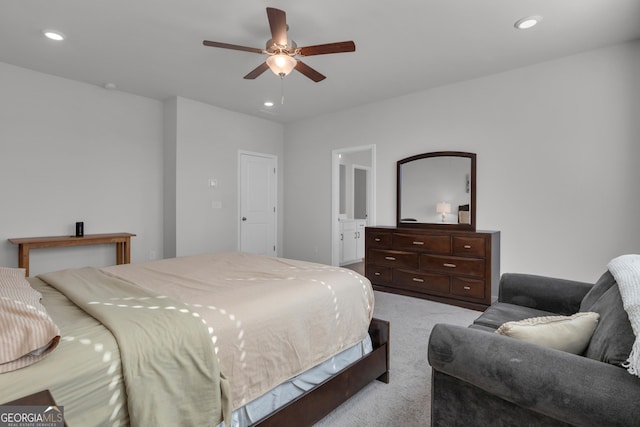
point(171, 375)
point(269, 318)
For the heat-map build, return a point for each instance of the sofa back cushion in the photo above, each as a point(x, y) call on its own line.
point(602, 285)
point(613, 338)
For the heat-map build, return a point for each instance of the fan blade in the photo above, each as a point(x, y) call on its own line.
point(278, 25)
point(323, 49)
point(231, 46)
point(309, 72)
point(257, 71)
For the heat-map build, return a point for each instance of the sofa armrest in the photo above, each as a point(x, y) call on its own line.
point(564, 386)
point(543, 293)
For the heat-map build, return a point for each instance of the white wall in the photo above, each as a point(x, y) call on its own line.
point(71, 152)
point(170, 140)
point(556, 170)
point(558, 145)
point(207, 143)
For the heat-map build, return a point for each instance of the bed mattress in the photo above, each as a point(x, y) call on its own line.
point(325, 329)
point(270, 318)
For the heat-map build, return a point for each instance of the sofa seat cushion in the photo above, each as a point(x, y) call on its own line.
point(482, 328)
point(503, 312)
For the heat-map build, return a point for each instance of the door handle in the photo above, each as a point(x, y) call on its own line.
point(244, 218)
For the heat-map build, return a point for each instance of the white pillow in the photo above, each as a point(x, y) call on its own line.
point(27, 333)
point(567, 333)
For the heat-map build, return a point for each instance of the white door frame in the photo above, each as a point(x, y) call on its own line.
point(275, 189)
point(335, 195)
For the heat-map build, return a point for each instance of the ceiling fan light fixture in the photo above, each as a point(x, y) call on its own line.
point(281, 64)
point(282, 51)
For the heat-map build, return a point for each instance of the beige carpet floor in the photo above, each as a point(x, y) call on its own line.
point(406, 400)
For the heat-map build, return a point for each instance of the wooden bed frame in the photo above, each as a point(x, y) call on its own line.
point(316, 403)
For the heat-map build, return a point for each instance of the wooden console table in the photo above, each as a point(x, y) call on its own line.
point(121, 240)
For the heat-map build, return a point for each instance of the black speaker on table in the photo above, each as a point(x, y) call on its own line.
point(79, 229)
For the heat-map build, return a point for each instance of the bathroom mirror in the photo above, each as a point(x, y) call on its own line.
point(437, 190)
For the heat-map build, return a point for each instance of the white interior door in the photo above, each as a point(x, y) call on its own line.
point(258, 219)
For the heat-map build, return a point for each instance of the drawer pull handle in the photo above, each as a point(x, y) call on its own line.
point(467, 246)
point(418, 243)
point(377, 273)
point(390, 258)
point(449, 265)
point(377, 239)
point(416, 279)
point(467, 288)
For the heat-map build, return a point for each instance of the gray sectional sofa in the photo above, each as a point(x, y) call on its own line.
point(480, 378)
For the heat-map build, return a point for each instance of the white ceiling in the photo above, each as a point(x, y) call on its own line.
point(154, 48)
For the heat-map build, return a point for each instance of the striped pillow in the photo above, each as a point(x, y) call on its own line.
point(27, 333)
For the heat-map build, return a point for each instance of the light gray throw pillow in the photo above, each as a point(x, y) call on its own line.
point(567, 333)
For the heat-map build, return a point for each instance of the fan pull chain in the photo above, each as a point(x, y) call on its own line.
point(281, 89)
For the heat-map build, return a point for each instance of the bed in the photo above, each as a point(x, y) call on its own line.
point(250, 339)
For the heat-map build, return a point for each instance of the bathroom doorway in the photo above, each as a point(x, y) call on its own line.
point(353, 195)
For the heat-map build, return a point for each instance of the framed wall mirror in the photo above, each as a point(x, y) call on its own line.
point(437, 190)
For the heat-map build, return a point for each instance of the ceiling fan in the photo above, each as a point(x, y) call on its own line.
point(282, 52)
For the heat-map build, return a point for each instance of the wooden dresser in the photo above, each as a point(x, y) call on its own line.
point(454, 267)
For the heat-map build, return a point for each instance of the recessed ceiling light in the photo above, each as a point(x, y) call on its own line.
point(53, 35)
point(268, 104)
point(528, 22)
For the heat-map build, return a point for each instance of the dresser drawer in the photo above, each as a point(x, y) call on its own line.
point(468, 246)
point(378, 274)
point(392, 258)
point(452, 265)
point(433, 244)
point(376, 239)
point(465, 287)
point(419, 281)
